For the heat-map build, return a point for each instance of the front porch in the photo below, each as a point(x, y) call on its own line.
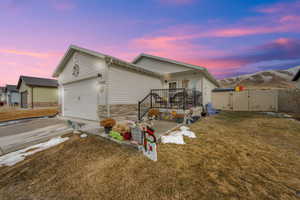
point(178, 99)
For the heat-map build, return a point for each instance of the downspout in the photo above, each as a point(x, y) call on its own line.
point(32, 97)
point(109, 63)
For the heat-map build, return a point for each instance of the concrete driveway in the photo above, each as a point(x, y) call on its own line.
point(28, 132)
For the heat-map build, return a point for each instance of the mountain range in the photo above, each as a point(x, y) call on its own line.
point(263, 79)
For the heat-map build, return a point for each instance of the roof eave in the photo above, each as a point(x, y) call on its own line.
point(131, 66)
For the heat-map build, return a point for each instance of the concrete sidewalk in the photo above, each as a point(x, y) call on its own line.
point(17, 136)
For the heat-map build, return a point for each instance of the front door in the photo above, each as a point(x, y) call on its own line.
point(24, 102)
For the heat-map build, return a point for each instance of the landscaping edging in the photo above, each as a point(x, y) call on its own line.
point(25, 119)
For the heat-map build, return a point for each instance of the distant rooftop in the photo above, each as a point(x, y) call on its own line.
point(35, 81)
point(11, 88)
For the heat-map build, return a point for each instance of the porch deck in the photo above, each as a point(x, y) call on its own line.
point(178, 99)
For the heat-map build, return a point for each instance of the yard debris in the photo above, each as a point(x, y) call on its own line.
point(176, 137)
point(83, 135)
point(13, 158)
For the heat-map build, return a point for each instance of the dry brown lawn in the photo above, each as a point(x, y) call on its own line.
point(13, 114)
point(235, 156)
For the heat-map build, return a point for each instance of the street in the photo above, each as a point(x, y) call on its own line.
point(25, 133)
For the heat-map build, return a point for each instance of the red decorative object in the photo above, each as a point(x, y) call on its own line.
point(127, 136)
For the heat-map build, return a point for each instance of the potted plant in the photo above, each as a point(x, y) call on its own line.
point(108, 124)
point(179, 118)
point(153, 113)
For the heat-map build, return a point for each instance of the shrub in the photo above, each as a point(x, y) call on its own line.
point(109, 122)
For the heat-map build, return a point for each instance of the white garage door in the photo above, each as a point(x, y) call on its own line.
point(80, 99)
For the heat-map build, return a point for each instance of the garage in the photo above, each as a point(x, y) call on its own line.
point(81, 99)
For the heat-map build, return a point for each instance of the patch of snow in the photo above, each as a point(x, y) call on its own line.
point(185, 132)
point(12, 122)
point(176, 137)
point(83, 135)
point(13, 158)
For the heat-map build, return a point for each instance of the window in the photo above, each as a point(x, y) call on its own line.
point(172, 85)
point(185, 83)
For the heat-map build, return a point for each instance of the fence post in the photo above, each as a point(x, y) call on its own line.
point(184, 98)
point(139, 111)
point(150, 98)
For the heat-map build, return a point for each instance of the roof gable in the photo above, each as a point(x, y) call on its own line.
point(189, 66)
point(109, 59)
point(36, 81)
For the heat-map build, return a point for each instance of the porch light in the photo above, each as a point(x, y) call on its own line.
point(100, 78)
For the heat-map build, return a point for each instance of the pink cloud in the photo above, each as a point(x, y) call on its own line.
point(63, 5)
point(286, 7)
point(16, 62)
point(26, 53)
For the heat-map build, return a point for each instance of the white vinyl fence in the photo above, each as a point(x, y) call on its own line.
point(248, 100)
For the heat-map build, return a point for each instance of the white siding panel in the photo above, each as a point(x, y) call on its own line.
point(88, 66)
point(128, 87)
point(159, 66)
point(208, 86)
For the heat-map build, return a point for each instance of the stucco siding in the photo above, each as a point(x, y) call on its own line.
point(88, 66)
point(159, 66)
point(128, 87)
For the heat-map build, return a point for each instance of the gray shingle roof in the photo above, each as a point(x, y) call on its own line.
point(35, 81)
point(12, 88)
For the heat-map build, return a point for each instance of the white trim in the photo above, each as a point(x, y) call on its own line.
point(81, 79)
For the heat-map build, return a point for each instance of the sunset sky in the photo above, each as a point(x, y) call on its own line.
point(228, 37)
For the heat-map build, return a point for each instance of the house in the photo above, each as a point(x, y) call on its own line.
point(94, 86)
point(297, 79)
point(12, 95)
point(37, 92)
point(2, 96)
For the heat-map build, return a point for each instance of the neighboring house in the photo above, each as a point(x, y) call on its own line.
point(37, 92)
point(2, 94)
point(12, 95)
point(94, 86)
point(297, 79)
